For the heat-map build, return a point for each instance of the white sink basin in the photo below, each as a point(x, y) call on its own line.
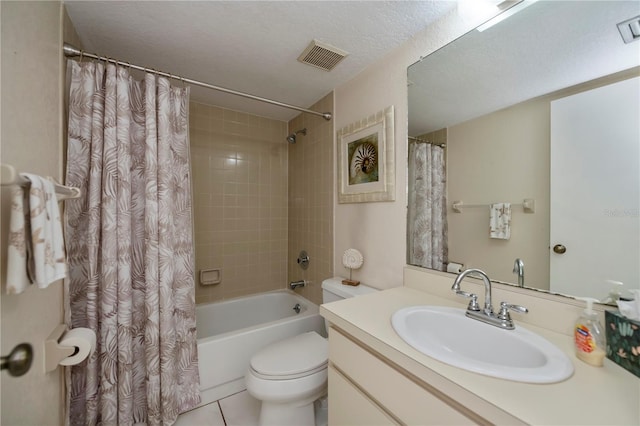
point(447, 335)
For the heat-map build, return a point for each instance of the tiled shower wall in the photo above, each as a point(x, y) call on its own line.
point(239, 164)
point(311, 163)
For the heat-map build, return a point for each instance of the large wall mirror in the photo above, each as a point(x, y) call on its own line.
point(525, 144)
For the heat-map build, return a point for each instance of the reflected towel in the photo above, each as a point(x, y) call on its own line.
point(500, 221)
point(18, 244)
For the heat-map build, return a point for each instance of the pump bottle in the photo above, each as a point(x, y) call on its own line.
point(589, 336)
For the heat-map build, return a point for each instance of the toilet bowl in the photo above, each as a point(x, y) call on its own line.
point(289, 375)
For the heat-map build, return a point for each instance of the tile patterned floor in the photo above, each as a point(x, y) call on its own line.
point(240, 409)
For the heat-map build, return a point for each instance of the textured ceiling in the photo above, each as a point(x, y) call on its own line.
point(541, 49)
point(251, 46)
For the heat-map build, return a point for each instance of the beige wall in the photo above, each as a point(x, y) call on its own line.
point(239, 164)
point(311, 187)
point(501, 157)
point(378, 229)
point(32, 80)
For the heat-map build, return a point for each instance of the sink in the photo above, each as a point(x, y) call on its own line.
point(447, 335)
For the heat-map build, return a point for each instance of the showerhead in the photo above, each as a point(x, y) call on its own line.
point(292, 137)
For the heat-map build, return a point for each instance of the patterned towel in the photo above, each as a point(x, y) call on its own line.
point(17, 278)
point(36, 247)
point(500, 221)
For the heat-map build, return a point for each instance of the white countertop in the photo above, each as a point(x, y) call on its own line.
point(593, 395)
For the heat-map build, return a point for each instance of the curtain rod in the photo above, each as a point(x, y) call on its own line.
point(72, 51)
point(418, 140)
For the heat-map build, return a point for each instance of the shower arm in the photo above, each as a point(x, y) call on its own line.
point(72, 51)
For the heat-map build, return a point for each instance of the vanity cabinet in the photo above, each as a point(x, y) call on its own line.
point(376, 378)
point(348, 405)
point(367, 389)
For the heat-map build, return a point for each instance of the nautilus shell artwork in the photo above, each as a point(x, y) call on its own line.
point(364, 159)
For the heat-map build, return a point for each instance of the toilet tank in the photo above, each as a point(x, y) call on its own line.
point(333, 289)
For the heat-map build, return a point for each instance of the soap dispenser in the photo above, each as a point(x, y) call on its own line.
point(589, 336)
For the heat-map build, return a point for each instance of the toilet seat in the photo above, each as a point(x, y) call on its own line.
point(292, 358)
point(289, 376)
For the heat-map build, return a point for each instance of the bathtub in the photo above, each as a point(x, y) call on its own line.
point(231, 331)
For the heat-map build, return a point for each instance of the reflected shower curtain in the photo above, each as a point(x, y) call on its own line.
point(427, 215)
point(130, 248)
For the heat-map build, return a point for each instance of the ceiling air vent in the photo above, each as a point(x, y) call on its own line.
point(321, 55)
point(630, 29)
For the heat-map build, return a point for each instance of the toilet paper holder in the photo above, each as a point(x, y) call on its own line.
point(53, 351)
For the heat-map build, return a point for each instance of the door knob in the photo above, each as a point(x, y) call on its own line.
point(559, 248)
point(19, 360)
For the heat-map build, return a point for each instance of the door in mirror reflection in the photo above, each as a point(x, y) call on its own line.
point(595, 202)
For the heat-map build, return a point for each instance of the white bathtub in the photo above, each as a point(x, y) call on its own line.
point(231, 331)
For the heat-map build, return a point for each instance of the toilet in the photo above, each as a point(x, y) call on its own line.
point(290, 375)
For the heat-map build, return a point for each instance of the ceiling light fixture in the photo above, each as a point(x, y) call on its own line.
point(508, 11)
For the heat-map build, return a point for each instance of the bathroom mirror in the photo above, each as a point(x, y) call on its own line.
point(489, 97)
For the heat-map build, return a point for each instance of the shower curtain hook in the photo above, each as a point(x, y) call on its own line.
point(81, 55)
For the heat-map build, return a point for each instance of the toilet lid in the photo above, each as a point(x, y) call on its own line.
point(292, 357)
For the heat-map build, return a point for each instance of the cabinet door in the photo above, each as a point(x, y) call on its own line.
point(401, 396)
point(349, 406)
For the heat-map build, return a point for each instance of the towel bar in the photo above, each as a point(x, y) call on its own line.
point(528, 205)
point(10, 177)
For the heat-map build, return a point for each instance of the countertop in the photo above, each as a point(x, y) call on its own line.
point(605, 395)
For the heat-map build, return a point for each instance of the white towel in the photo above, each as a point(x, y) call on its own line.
point(17, 278)
point(500, 221)
point(41, 258)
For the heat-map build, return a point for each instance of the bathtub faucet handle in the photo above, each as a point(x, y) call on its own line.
point(295, 284)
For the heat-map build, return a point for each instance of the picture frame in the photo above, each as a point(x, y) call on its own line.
point(366, 159)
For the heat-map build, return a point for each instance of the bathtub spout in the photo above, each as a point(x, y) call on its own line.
point(295, 284)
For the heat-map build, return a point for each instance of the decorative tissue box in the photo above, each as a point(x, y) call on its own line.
point(623, 341)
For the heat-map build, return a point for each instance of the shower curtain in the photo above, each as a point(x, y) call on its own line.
point(427, 215)
point(130, 248)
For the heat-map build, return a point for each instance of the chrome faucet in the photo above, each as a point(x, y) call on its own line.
point(502, 319)
point(518, 268)
point(295, 284)
point(473, 305)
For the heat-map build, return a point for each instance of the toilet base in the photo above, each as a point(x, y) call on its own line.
point(299, 413)
point(286, 415)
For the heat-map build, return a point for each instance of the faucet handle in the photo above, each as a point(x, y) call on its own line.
point(505, 307)
point(473, 303)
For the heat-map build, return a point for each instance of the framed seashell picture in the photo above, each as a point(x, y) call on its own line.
point(366, 159)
